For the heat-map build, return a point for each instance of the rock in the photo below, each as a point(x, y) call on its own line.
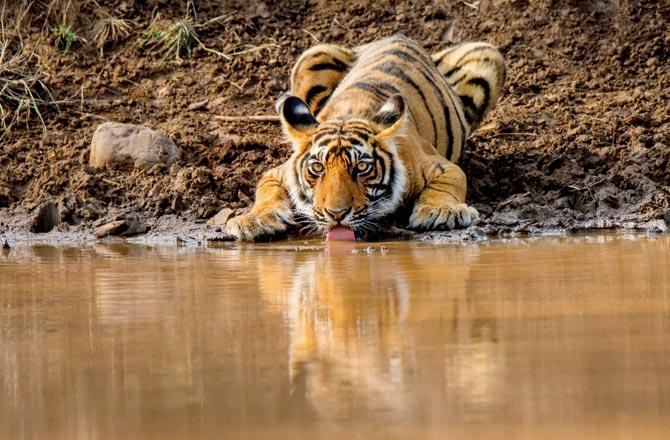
point(112, 228)
point(244, 199)
point(261, 10)
point(200, 105)
point(127, 227)
point(658, 225)
point(477, 233)
point(222, 217)
point(45, 218)
point(123, 144)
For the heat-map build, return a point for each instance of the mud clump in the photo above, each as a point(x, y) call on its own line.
point(45, 218)
point(580, 137)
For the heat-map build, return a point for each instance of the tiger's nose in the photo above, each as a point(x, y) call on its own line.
point(337, 214)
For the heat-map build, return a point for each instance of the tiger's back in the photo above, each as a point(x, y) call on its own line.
point(338, 83)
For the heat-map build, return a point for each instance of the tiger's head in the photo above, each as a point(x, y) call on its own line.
point(345, 171)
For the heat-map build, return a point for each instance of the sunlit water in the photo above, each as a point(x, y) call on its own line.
point(546, 338)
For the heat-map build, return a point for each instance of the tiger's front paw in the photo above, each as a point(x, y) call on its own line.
point(457, 215)
point(251, 227)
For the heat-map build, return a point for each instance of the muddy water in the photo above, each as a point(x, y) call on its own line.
point(547, 338)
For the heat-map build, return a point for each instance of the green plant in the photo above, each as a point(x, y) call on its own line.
point(63, 36)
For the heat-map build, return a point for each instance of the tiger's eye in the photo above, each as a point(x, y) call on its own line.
point(316, 167)
point(363, 167)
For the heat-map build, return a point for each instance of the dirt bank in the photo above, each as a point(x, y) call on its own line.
point(580, 138)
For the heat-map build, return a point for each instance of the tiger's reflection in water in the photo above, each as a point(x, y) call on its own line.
point(379, 332)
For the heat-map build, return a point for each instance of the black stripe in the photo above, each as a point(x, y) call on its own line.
point(451, 94)
point(370, 88)
point(458, 81)
point(360, 130)
point(446, 52)
point(381, 164)
point(302, 196)
point(321, 134)
point(391, 68)
point(336, 65)
point(311, 93)
point(361, 137)
point(321, 104)
point(303, 59)
point(450, 133)
point(430, 77)
point(447, 114)
point(471, 51)
point(451, 71)
point(469, 104)
point(484, 85)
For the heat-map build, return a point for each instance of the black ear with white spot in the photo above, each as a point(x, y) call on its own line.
point(391, 113)
point(295, 114)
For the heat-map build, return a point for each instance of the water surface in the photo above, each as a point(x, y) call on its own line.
point(533, 338)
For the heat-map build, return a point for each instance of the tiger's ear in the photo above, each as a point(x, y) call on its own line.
point(296, 117)
point(391, 116)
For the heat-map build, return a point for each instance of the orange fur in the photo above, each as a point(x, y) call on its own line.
point(373, 129)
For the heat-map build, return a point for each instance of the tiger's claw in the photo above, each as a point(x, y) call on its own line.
point(251, 227)
point(451, 216)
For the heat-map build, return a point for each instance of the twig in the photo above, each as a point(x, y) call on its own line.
point(316, 40)
point(253, 49)
point(252, 118)
point(514, 134)
point(474, 5)
point(238, 86)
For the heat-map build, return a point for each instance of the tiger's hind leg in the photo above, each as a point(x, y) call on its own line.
point(476, 71)
point(318, 72)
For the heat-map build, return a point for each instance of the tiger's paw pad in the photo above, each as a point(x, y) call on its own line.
point(426, 218)
point(249, 227)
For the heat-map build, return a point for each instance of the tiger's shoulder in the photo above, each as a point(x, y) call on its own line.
point(448, 93)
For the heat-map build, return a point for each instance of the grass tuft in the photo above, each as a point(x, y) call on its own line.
point(170, 39)
point(22, 86)
point(109, 29)
point(63, 36)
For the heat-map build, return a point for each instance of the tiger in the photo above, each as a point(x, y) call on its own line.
point(376, 131)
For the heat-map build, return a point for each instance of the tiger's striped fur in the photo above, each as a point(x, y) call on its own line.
point(373, 129)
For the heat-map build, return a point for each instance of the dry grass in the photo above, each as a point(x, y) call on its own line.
point(23, 92)
point(109, 29)
point(170, 39)
point(177, 38)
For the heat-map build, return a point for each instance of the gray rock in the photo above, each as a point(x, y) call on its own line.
point(222, 217)
point(129, 144)
point(127, 227)
point(111, 228)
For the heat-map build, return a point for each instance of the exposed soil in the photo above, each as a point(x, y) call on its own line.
point(580, 137)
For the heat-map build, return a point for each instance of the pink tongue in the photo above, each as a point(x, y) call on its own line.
point(341, 233)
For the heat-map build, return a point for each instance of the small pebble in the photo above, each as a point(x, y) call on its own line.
point(370, 250)
point(384, 250)
point(355, 251)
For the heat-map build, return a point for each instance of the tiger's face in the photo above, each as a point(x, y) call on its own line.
point(345, 172)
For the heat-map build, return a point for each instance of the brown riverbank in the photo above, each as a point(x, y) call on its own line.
point(580, 138)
